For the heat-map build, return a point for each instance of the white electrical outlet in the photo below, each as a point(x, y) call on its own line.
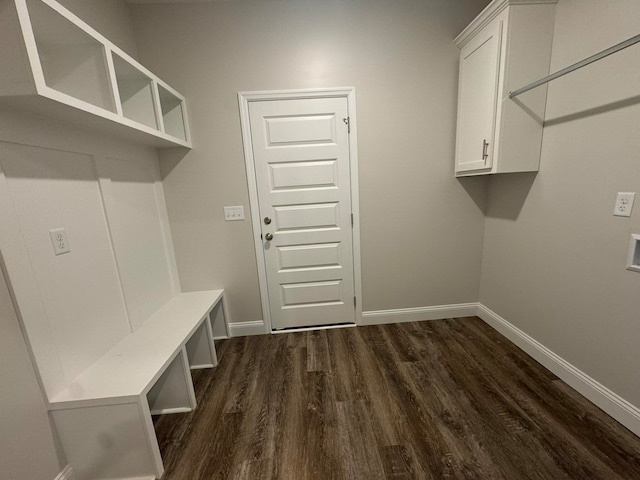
point(624, 204)
point(59, 241)
point(234, 213)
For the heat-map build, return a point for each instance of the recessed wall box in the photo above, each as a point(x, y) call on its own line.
point(633, 259)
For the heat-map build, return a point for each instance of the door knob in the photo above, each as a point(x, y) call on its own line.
point(269, 237)
point(267, 220)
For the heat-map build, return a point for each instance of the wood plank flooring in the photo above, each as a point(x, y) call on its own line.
point(448, 399)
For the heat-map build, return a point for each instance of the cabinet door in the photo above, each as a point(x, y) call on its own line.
point(477, 99)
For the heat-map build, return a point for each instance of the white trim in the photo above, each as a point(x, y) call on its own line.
point(310, 329)
point(166, 411)
point(612, 403)
point(490, 12)
point(165, 228)
point(113, 82)
point(227, 318)
point(243, 329)
point(418, 314)
point(66, 474)
point(295, 94)
point(200, 367)
point(243, 101)
point(106, 199)
point(355, 203)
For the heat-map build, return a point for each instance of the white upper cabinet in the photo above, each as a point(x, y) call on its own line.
point(506, 47)
point(55, 64)
point(478, 94)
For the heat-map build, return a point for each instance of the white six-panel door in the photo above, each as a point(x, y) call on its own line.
point(301, 154)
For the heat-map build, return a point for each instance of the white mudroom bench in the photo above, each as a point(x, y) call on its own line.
point(103, 418)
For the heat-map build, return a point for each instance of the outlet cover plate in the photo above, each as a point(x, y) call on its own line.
point(624, 204)
point(59, 241)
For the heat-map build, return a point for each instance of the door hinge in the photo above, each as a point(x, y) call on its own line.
point(352, 219)
point(347, 121)
point(354, 302)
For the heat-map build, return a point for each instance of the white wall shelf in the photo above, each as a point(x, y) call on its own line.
point(136, 93)
point(55, 64)
point(173, 115)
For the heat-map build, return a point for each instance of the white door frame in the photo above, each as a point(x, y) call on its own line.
point(244, 98)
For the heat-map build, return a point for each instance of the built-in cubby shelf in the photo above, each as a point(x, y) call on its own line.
point(135, 91)
point(55, 64)
point(172, 113)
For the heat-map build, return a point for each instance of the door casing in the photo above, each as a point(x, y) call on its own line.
point(244, 99)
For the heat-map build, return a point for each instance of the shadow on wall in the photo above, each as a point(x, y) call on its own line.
point(627, 102)
point(477, 189)
point(528, 110)
point(508, 193)
point(170, 158)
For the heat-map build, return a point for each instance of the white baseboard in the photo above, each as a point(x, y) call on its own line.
point(377, 317)
point(612, 403)
point(418, 314)
point(243, 329)
point(311, 329)
point(66, 474)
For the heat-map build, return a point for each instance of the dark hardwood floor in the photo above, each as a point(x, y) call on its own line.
point(432, 400)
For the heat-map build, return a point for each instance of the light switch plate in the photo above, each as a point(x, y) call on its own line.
point(235, 213)
point(59, 241)
point(624, 204)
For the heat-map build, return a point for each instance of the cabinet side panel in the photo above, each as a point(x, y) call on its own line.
point(106, 442)
point(15, 75)
point(527, 60)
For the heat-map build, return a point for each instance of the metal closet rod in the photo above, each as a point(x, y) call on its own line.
point(576, 66)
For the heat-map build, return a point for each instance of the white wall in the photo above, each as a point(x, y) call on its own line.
point(421, 228)
point(554, 255)
point(112, 18)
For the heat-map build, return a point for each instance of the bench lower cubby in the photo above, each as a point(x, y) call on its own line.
point(112, 436)
point(114, 441)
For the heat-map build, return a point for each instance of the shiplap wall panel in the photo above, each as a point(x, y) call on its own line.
point(80, 290)
point(121, 267)
point(129, 190)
